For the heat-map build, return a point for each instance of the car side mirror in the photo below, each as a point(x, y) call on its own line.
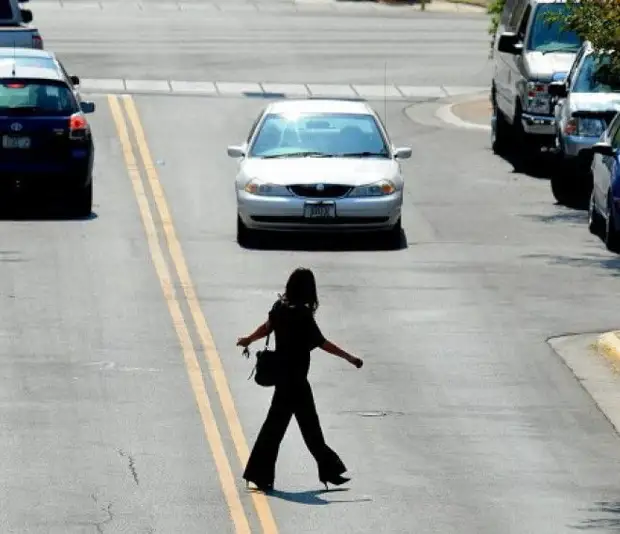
point(509, 43)
point(558, 89)
point(236, 151)
point(87, 107)
point(402, 153)
point(604, 149)
point(75, 80)
point(26, 16)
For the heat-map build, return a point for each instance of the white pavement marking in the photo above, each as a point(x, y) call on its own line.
point(275, 89)
point(151, 86)
point(377, 91)
point(194, 87)
point(288, 89)
point(436, 6)
point(238, 88)
point(422, 92)
point(328, 89)
point(445, 114)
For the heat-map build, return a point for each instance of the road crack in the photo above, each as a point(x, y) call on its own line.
point(132, 465)
point(100, 525)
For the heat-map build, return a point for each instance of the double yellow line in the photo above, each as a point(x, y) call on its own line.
point(122, 115)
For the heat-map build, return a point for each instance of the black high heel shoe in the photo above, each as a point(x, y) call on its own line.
point(338, 480)
point(265, 488)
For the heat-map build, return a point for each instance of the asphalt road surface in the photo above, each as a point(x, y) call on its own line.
point(126, 406)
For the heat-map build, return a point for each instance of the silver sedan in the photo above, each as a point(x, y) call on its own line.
point(319, 165)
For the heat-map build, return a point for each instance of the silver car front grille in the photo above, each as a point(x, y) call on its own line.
point(320, 190)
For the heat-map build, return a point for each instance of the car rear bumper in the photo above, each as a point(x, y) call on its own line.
point(287, 213)
point(533, 124)
point(48, 177)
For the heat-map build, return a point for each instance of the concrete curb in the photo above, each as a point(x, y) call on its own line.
point(608, 345)
point(445, 113)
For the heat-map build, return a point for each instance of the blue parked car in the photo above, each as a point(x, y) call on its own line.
point(604, 210)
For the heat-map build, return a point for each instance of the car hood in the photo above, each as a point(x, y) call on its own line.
point(542, 67)
point(347, 171)
point(594, 102)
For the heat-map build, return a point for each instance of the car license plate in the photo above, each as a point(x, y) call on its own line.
point(11, 141)
point(541, 104)
point(321, 210)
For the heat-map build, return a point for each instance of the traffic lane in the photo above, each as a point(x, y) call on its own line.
point(462, 407)
point(99, 423)
point(268, 47)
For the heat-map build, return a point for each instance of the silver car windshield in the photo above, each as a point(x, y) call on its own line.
point(319, 135)
point(548, 37)
point(593, 77)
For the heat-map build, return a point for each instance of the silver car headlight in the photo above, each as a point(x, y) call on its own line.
point(266, 189)
point(584, 127)
point(538, 99)
point(378, 189)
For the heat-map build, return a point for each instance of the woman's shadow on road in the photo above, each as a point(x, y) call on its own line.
point(312, 497)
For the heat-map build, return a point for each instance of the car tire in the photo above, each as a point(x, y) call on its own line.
point(612, 237)
point(394, 236)
point(244, 234)
point(595, 221)
point(501, 130)
point(562, 184)
point(82, 201)
point(529, 149)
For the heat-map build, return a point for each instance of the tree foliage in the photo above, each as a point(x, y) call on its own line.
point(597, 21)
point(495, 9)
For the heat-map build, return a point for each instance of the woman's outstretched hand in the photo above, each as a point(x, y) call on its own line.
point(243, 342)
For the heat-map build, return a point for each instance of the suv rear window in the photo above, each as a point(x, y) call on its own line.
point(6, 11)
point(24, 97)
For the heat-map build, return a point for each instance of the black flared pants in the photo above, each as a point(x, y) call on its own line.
point(291, 398)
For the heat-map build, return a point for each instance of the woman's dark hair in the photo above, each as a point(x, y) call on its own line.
point(301, 289)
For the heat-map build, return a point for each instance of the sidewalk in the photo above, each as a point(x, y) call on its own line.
point(436, 6)
point(475, 111)
point(608, 345)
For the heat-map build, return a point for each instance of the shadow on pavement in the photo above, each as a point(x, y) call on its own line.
point(565, 216)
point(295, 241)
point(538, 165)
point(38, 211)
point(611, 523)
point(610, 263)
point(312, 498)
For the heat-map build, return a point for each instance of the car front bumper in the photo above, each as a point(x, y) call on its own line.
point(573, 145)
point(287, 213)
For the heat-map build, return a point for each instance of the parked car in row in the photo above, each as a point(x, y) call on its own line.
point(14, 26)
point(604, 210)
point(588, 102)
point(529, 53)
point(46, 144)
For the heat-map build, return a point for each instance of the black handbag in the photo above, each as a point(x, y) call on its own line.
point(267, 365)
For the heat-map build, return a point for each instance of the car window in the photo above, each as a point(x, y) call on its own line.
point(23, 97)
point(545, 37)
point(592, 78)
point(27, 61)
point(570, 77)
point(6, 11)
point(615, 134)
point(329, 133)
point(524, 22)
